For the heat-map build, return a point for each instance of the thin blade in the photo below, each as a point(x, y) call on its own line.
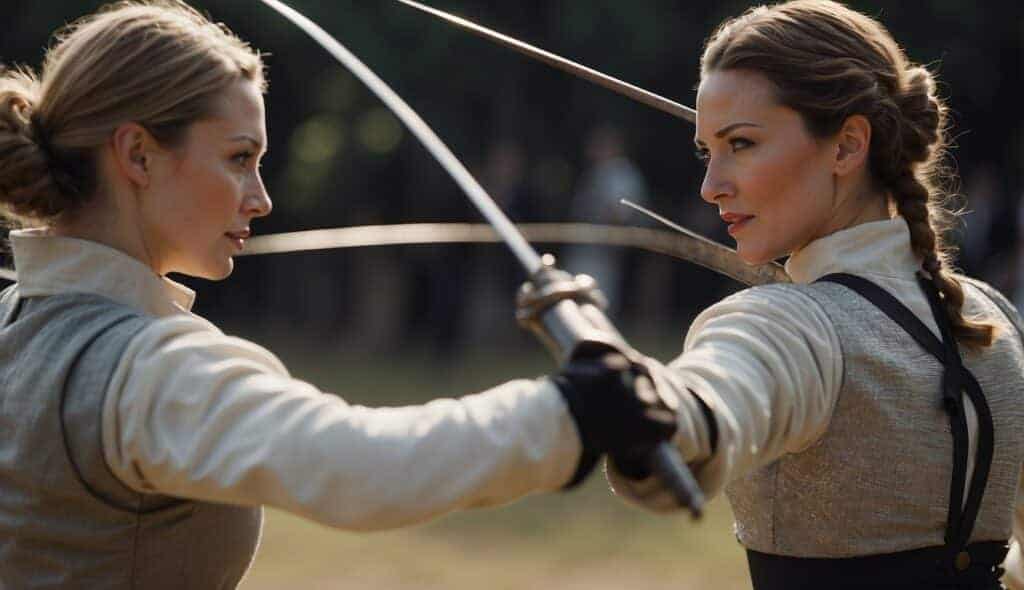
point(614, 84)
point(720, 258)
point(687, 246)
point(522, 250)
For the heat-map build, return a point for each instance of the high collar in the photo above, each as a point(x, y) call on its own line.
point(52, 265)
point(877, 248)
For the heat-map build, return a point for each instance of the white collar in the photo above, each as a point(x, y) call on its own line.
point(52, 265)
point(879, 248)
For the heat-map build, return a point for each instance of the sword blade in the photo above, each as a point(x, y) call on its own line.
point(614, 84)
point(522, 250)
point(688, 246)
point(721, 258)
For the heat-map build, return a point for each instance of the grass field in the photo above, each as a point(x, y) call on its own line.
point(587, 539)
point(583, 540)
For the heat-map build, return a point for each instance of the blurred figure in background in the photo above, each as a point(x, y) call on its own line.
point(608, 177)
point(492, 271)
point(982, 200)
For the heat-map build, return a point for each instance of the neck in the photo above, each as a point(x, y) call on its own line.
point(102, 221)
point(858, 204)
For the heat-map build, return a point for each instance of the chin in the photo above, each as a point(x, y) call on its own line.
point(222, 271)
point(754, 256)
point(217, 271)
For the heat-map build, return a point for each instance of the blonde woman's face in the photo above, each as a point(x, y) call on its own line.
point(206, 193)
point(771, 180)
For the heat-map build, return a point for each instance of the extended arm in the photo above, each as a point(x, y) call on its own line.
point(193, 413)
point(767, 363)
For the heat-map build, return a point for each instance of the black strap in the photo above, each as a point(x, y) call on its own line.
point(956, 380)
point(918, 569)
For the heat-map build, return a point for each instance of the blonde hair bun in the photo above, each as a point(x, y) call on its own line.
point(158, 63)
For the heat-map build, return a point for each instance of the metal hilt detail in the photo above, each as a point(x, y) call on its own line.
point(564, 311)
point(567, 313)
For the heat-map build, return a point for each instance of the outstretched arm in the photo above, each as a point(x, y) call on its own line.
point(767, 363)
point(193, 413)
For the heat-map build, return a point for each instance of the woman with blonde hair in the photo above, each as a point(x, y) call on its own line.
point(139, 440)
point(869, 417)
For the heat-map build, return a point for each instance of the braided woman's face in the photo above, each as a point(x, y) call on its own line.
point(205, 193)
point(771, 180)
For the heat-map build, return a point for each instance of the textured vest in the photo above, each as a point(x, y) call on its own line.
point(65, 520)
point(878, 480)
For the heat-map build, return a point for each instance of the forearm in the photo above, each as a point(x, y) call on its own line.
point(237, 431)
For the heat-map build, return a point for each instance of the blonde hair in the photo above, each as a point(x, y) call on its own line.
point(828, 62)
point(158, 63)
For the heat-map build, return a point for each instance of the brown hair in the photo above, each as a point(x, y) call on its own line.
point(828, 62)
point(159, 63)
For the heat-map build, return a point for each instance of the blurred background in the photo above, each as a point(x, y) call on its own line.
point(397, 325)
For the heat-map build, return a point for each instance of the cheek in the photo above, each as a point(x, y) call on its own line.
point(212, 199)
point(791, 182)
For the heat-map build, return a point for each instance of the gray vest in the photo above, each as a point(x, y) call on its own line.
point(65, 520)
point(878, 480)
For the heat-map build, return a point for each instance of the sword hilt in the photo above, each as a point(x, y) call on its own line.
point(566, 313)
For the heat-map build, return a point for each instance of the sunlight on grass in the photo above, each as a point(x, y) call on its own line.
point(582, 539)
point(586, 539)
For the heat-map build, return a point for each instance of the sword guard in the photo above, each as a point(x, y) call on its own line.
point(565, 311)
point(549, 285)
point(566, 314)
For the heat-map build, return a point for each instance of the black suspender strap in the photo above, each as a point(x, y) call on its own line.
point(956, 380)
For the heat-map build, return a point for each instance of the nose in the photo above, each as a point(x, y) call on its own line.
point(715, 185)
point(259, 203)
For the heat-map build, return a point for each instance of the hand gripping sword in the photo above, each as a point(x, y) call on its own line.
point(568, 323)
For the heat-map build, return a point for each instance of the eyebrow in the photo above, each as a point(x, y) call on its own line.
point(725, 130)
point(255, 142)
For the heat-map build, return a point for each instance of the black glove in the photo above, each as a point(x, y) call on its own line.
point(616, 409)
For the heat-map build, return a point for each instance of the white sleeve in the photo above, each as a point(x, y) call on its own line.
point(1014, 563)
point(191, 412)
point(768, 363)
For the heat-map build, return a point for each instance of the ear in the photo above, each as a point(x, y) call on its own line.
point(853, 143)
point(132, 147)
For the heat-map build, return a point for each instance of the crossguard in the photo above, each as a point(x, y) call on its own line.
point(566, 312)
point(548, 286)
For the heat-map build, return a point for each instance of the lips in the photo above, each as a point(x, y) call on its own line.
point(238, 238)
point(736, 221)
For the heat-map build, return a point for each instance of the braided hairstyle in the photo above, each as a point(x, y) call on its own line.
point(158, 63)
point(828, 62)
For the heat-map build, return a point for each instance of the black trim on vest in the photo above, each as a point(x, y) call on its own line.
point(956, 380)
point(918, 569)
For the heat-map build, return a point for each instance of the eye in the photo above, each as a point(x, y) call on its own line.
point(243, 158)
point(739, 143)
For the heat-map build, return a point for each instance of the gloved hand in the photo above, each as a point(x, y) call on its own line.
point(616, 409)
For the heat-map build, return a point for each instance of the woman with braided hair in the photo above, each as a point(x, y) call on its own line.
point(137, 441)
point(869, 417)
